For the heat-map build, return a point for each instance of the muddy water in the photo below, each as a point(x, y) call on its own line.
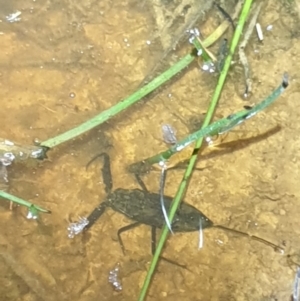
point(63, 63)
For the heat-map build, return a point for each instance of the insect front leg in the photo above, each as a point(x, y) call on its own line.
point(141, 183)
point(95, 215)
point(106, 171)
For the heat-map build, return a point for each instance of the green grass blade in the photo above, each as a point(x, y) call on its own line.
point(135, 97)
point(122, 105)
point(22, 202)
point(221, 126)
point(182, 186)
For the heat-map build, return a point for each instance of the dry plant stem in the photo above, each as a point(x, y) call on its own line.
point(188, 172)
point(209, 53)
point(242, 54)
point(176, 35)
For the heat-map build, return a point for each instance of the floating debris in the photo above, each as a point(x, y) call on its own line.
point(32, 213)
point(209, 140)
point(194, 32)
point(269, 27)
point(296, 285)
point(169, 134)
point(173, 19)
point(161, 194)
point(77, 227)
point(219, 242)
point(259, 32)
point(200, 245)
point(14, 17)
point(206, 56)
point(209, 67)
point(13, 151)
point(5, 160)
point(113, 278)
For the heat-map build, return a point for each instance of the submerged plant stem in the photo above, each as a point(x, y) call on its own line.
point(135, 97)
point(22, 202)
point(220, 126)
point(209, 115)
point(122, 105)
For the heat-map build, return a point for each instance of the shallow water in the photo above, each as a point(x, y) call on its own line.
point(65, 62)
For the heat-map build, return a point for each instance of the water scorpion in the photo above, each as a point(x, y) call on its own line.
point(144, 207)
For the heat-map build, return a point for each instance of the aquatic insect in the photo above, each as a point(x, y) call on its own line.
point(145, 208)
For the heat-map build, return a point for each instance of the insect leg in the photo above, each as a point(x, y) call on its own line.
point(124, 229)
point(106, 172)
point(153, 248)
point(153, 240)
point(141, 183)
point(225, 14)
point(93, 217)
point(268, 243)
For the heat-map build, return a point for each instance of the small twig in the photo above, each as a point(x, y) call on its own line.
point(242, 54)
point(47, 108)
point(210, 54)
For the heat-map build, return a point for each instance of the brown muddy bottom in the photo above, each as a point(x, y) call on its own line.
point(63, 63)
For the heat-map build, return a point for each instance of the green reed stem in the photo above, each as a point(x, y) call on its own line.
point(209, 115)
point(121, 106)
point(135, 97)
point(218, 127)
point(31, 207)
